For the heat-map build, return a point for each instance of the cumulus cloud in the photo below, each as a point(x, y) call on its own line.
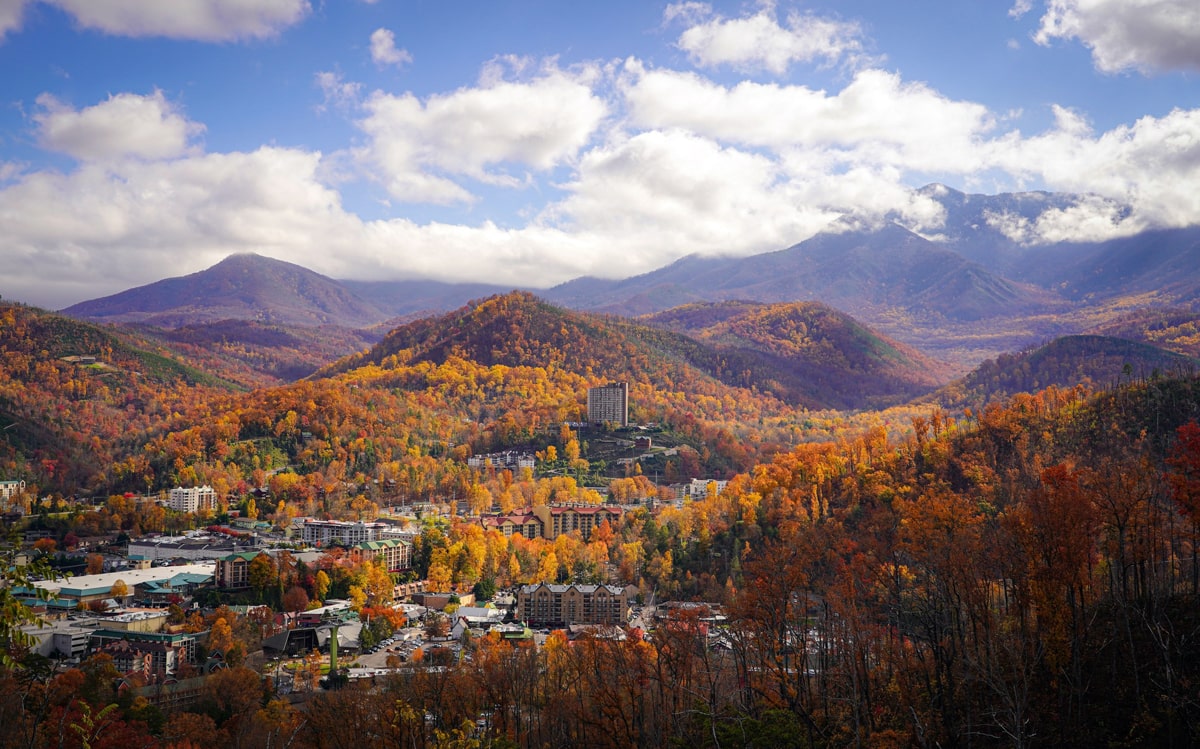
point(1145, 35)
point(877, 118)
point(126, 125)
point(105, 227)
point(204, 20)
point(759, 42)
point(384, 51)
point(537, 123)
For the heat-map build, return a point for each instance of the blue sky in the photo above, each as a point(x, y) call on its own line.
point(531, 142)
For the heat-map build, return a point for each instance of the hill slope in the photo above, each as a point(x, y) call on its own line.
point(74, 397)
point(812, 349)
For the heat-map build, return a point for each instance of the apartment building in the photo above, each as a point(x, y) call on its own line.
point(395, 554)
point(325, 532)
point(609, 404)
point(559, 519)
point(544, 605)
point(192, 499)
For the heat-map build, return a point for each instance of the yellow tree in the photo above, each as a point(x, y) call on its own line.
point(220, 637)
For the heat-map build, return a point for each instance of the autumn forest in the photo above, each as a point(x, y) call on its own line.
point(1008, 560)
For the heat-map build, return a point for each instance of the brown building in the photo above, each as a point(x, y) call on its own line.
point(561, 605)
point(233, 571)
point(560, 519)
point(521, 524)
point(395, 553)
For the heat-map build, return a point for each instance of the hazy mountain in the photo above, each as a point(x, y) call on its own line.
point(865, 273)
point(973, 224)
point(1101, 361)
point(409, 299)
point(243, 287)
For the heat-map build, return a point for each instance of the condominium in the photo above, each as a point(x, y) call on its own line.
point(193, 499)
point(324, 532)
point(609, 404)
point(394, 553)
point(560, 605)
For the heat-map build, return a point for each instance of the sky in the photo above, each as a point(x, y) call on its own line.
point(529, 142)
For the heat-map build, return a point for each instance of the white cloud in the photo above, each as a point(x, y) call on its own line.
point(1020, 8)
point(11, 13)
point(104, 228)
point(206, 20)
point(1145, 35)
point(538, 123)
point(125, 125)
point(875, 119)
point(759, 42)
point(338, 92)
point(384, 51)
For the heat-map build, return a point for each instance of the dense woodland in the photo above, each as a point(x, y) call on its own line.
point(1025, 573)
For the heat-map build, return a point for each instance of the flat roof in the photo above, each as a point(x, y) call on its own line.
point(131, 577)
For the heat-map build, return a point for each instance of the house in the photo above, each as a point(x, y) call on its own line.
point(9, 490)
point(151, 653)
point(85, 589)
point(560, 605)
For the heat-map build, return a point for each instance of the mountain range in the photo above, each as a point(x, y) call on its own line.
point(964, 296)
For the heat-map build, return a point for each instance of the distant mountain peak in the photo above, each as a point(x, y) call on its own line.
point(242, 286)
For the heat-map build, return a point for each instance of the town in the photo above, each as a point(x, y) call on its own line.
point(314, 603)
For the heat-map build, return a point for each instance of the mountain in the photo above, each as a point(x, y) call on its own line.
point(1101, 361)
point(411, 299)
point(1172, 329)
point(243, 287)
point(973, 223)
point(865, 273)
point(812, 349)
point(802, 354)
point(256, 354)
point(1163, 265)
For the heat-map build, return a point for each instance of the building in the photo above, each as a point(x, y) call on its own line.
point(609, 404)
point(84, 589)
point(193, 547)
point(395, 554)
point(697, 489)
point(233, 571)
point(153, 653)
point(10, 489)
point(521, 524)
point(561, 605)
point(510, 459)
point(559, 519)
point(194, 499)
point(326, 532)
